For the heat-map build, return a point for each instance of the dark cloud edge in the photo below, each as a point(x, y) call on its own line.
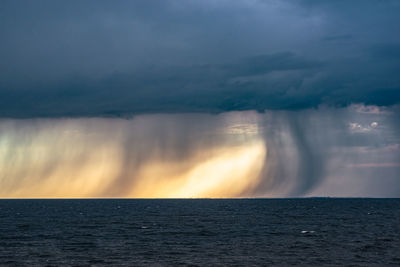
point(281, 81)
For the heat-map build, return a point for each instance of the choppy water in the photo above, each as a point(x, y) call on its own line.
point(200, 232)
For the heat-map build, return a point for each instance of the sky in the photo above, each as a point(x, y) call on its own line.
point(211, 98)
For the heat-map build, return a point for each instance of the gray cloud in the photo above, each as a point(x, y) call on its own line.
point(97, 58)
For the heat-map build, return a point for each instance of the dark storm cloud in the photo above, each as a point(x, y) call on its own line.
point(101, 58)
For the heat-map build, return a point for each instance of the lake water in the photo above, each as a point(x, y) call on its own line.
point(203, 232)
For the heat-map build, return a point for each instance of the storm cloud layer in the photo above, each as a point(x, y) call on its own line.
point(102, 58)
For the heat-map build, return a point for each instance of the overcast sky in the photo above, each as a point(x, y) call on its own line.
point(320, 78)
point(115, 58)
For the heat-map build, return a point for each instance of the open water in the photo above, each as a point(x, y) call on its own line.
point(203, 232)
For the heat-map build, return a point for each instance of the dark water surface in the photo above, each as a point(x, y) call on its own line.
point(204, 232)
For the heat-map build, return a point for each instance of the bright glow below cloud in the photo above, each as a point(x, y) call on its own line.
point(139, 157)
point(227, 172)
point(335, 152)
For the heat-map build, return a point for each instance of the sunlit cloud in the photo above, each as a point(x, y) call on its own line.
point(370, 109)
point(355, 127)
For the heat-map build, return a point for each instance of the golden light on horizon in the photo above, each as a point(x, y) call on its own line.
point(226, 173)
point(85, 158)
point(56, 163)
